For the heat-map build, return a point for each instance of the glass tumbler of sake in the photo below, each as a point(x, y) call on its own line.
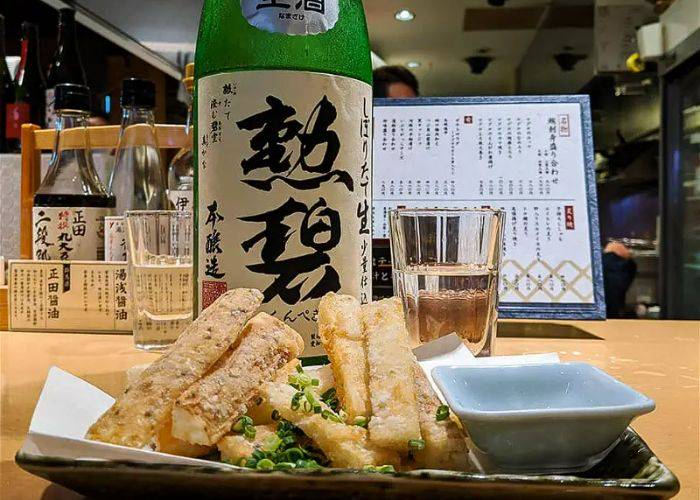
point(445, 269)
point(160, 271)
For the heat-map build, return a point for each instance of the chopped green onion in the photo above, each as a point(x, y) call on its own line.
point(315, 382)
point(251, 463)
point(317, 408)
point(249, 432)
point(296, 400)
point(294, 454)
point(310, 397)
point(299, 368)
point(284, 465)
point(361, 421)
point(343, 416)
point(271, 443)
point(329, 415)
point(258, 455)
point(307, 464)
point(275, 415)
point(443, 412)
point(306, 407)
point(329, 394)
point(242, 423)
point(288, 440)
point(382, 469)
point(265, 464)
point(416, 444)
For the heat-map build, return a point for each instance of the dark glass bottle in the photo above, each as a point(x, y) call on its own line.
point(28, 105)
point(66, 66)
point(71, 203)
point(7, 88)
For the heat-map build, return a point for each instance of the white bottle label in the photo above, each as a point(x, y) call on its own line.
point(291, 17)
point(69, 233)
point(115, 239)
point(181, 199)
point(50, 113)
point(284, 190)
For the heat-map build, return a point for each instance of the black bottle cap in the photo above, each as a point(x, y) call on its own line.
point(138, 92)
point(72, 96)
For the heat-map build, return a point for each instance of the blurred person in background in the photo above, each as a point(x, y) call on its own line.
point(619, 270)
point(395, 82)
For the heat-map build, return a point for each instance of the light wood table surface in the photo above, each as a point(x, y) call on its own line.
point(657, 358)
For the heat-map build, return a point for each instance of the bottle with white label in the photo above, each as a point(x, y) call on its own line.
point(71, 203)
point(181, 169)
point(283, 131)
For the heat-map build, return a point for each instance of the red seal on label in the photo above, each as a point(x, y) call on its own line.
point(569, 217)
point(212, 290)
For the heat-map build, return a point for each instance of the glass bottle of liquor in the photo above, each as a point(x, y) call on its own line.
point(181, 170)
point(28, 105)
point(65, 66)
point(71, 203)
point(283, 129)
point(138, 179)
point(7, 88)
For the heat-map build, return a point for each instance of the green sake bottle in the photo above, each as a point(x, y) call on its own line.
point(283, 184)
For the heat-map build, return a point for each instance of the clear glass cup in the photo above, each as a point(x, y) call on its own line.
point(445, 267)
point(160, 271)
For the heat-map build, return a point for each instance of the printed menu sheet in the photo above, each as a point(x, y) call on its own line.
point(69, 296)
point(527, 159)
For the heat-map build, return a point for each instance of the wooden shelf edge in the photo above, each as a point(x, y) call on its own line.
point(105, 137)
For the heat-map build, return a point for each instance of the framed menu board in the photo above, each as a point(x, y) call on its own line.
point(531, 157)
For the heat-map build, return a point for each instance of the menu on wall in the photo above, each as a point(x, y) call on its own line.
point(69, 296)
point(531, 158)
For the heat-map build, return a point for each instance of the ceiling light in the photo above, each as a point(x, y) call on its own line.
point(404, 15)
point(413, 64)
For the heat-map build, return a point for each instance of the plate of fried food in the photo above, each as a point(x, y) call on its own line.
point(229, 411)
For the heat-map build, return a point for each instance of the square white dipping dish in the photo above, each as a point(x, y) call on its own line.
point(559, 417)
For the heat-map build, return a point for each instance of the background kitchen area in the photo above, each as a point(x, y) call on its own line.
point(638, 60)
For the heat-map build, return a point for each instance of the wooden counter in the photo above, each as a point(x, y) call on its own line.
point(657, 358)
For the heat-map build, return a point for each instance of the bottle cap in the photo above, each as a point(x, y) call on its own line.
point(72, 96)
point(188, 81)
point(138, 92)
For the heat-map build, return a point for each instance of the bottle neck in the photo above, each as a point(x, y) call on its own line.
point(66, 42)
point(2, 41)
point(188, 123)
point(4, 70)
point(29, 62)
point(71, 170)
point(71, 119)
point(132, 115)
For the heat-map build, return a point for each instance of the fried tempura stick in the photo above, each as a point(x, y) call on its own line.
point(238, 446)
point(344, 445)
point(138, 415)
point(445, 447)
point(207, 410)
point(391, 388)
point(340, 328)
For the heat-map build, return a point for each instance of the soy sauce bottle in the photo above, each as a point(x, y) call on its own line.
point(71, 203)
